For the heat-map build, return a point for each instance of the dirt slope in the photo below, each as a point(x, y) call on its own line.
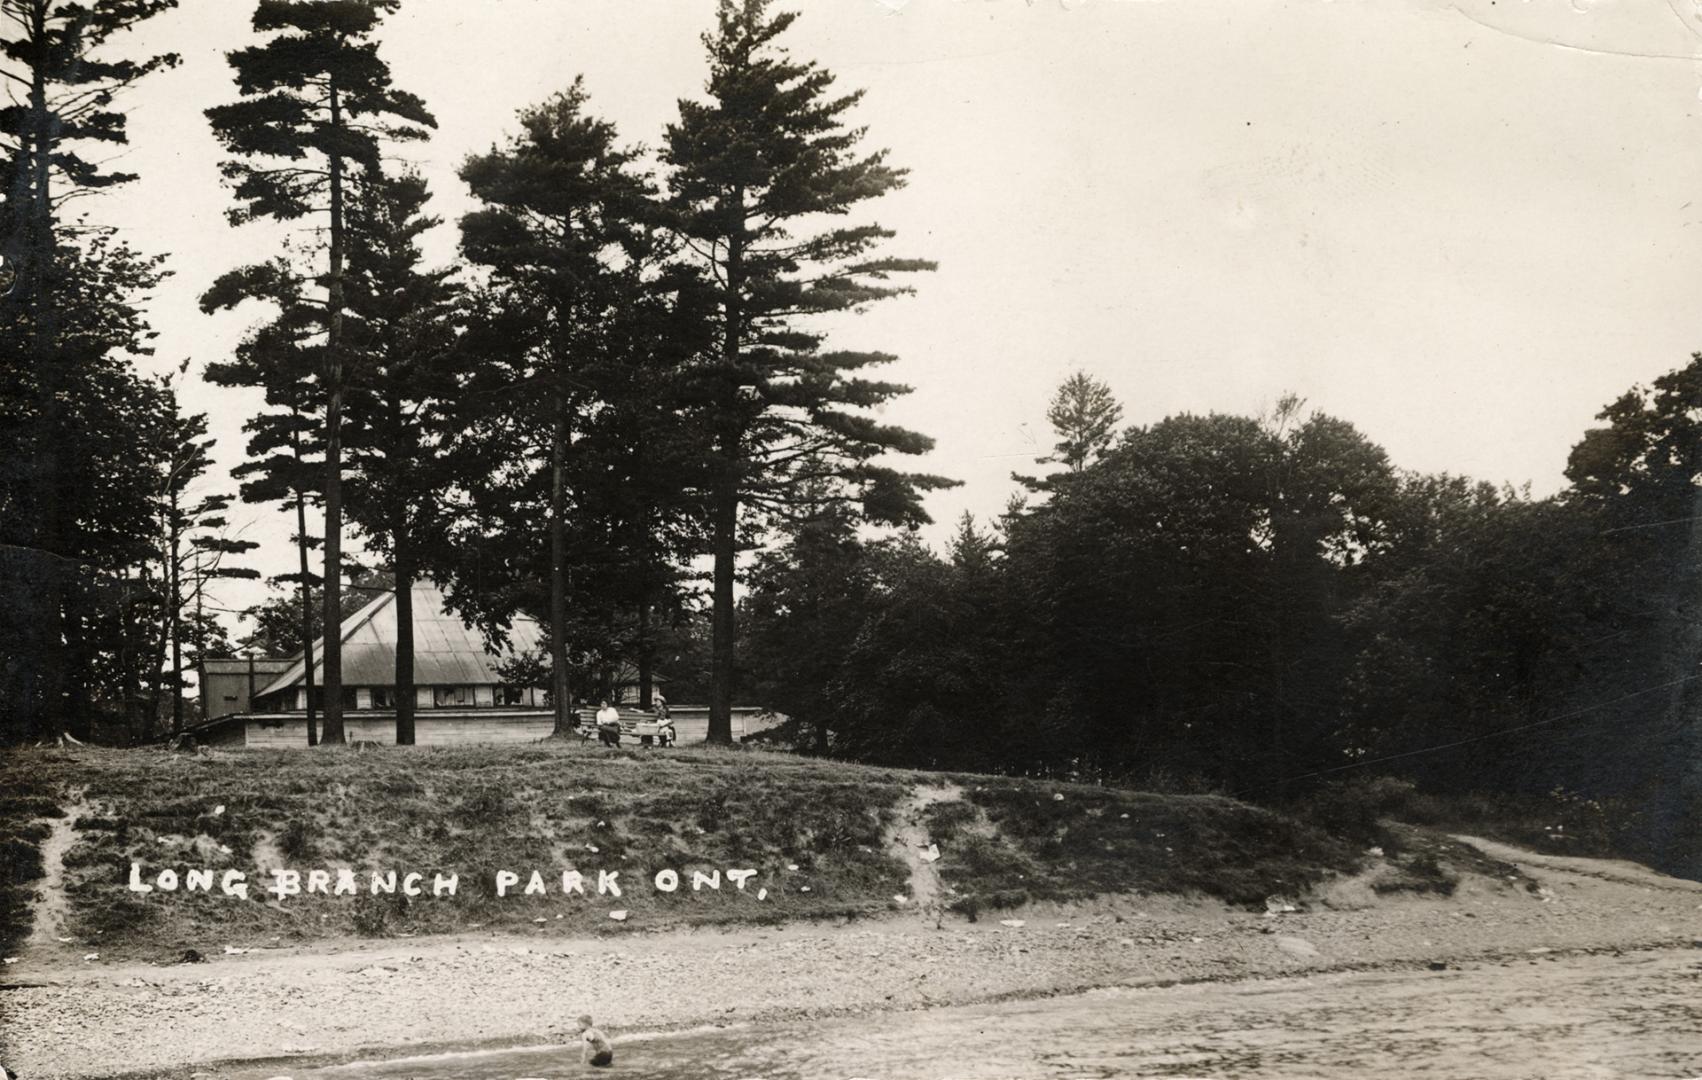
point(330, 1000)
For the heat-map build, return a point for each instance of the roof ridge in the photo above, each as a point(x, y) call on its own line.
point(345, 629)
point(452, 649)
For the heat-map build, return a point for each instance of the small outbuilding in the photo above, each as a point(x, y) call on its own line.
point(230, 686)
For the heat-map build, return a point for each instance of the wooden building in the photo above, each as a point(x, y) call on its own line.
point(460, 694)
point(229, 686)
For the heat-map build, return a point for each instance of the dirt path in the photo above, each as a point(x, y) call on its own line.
point(483, 990)
point(909, 837)
point(51, 906)
point(1584, 1017)
point(1625, 873)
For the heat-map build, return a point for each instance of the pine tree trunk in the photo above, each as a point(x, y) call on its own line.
point(721, 656)
point(403, 434)
point(645, 653)
point(333, 585)
point(156, 667)
point(44, 709)
point(725, 508)
point(129, 685)
point(404, 640)
point(306, 619)
point(560, 687)
point(79, 661)
point(174, 614)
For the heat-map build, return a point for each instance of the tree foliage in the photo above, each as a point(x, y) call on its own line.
point(578, 421)
point(757, 174)
point(1084, 415)
point(316, 108)
point(403, 371)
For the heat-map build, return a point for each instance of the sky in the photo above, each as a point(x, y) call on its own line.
point(1464, 227)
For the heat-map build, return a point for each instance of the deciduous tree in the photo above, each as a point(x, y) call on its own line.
point(68, 336)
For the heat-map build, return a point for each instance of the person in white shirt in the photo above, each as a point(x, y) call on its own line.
point(608, 724)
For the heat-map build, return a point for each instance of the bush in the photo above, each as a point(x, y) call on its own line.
point(17, 807)
point(296, 842)
point(946, 820)
point(20, 861)
point(1354, 809)
point(373, 914)
point(485, 805)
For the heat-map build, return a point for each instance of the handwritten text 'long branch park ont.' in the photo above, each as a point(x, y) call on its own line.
point(344, 882)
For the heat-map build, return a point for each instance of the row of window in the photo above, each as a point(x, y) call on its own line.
point(384, 697)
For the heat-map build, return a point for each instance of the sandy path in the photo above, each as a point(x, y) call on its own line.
point(85, 1020)
point(1559, 1018)
point(51, 904)
point(909, 836)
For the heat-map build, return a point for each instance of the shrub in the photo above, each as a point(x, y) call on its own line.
point(946, 820)
point(487, 804)
point(296, 842)
point(1354, 809)
point(20, 861)
point(373, 914)
point(18, 807)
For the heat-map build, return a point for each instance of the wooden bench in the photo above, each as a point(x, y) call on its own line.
point(636, 725)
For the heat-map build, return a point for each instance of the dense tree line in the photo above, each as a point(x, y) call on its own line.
point(111, 526)
point(1259, 605)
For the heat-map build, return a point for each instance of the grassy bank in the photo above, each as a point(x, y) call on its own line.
point(820, 837)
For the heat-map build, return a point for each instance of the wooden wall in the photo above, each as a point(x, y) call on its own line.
point(493, 727)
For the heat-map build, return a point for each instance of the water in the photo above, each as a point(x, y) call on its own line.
point(1579, 1017)
point(1023, 1039)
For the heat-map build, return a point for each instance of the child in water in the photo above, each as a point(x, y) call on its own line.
point(596, 1049)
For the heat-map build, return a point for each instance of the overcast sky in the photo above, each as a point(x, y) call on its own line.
point(1463, 227)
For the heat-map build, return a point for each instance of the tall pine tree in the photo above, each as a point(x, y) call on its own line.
point(56, 51)
point(1084, 415)
point(195, 546)
point(755, 170)
point(317, 107)
point(403, 330)
point(567, 230)
point(281, 357)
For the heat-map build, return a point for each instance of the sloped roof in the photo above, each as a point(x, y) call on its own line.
point(263, 665)
point(447, 652)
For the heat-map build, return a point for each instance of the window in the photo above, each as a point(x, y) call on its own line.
point(384, 697)
point(511, 695)
point(452, 695)
point(348, 696)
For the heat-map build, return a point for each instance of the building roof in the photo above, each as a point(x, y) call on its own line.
point(447, 652)
point(263, 665)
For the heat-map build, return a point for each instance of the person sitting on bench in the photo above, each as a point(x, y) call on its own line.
point(608, 724)
point(664, 723)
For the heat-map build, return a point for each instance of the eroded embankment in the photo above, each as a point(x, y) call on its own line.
point(546, 835)
point(330, 1001)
